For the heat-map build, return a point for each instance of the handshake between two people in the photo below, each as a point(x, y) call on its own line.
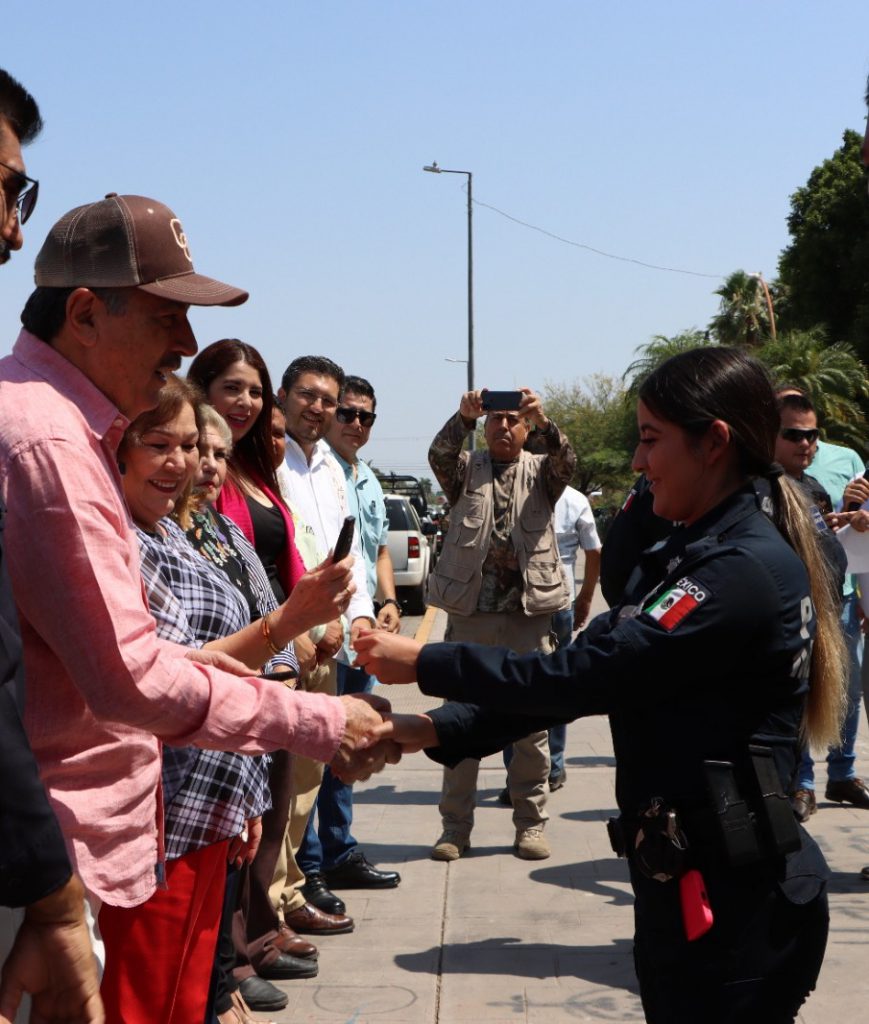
point(373, 735)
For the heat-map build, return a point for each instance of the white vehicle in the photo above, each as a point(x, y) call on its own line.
point(410, 553)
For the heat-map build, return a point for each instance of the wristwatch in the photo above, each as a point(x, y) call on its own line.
point(391, 600)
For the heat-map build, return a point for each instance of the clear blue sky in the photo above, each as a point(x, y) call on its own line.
point(290, 137)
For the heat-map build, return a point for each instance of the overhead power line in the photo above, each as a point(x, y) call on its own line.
point(592, 249)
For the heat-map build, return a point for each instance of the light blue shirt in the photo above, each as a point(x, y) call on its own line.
point(365, 501)
point(834, 467)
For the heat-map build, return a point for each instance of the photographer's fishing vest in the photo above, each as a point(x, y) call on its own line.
point(456, 581)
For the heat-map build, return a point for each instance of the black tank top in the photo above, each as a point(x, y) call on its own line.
point(270, 539)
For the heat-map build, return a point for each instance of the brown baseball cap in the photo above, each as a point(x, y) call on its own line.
point(123, 242)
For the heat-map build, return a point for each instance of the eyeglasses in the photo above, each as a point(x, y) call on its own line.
point(310, 397)
point(348, 414)
point(797, 434)
point(25, 197)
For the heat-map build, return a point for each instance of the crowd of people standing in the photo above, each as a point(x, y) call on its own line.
point(197, 701)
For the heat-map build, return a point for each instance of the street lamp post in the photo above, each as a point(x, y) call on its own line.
point(434, 169)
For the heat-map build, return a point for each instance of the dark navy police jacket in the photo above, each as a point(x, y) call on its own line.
point(708, 653)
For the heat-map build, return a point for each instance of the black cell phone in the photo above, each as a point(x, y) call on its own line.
point(282, 676)
point(498, 400)
point(345, 539)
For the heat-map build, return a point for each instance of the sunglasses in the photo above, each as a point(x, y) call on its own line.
point(26, 191)
point(347, 414)
point(796, 434)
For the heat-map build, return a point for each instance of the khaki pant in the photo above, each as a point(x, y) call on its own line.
point(306, 777)
point(528, 774)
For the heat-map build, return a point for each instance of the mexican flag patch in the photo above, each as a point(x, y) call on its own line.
point(676, 603)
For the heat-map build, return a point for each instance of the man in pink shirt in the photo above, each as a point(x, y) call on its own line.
point(105, 325)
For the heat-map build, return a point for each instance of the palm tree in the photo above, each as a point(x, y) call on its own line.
point(657, 351)
point(833, 375)
point(743, 315)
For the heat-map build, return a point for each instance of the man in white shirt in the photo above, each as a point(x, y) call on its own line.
point(315, 483)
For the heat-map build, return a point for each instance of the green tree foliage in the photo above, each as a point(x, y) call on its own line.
point(743, 315)
point(427, 488)
point(824, 271)
point(658, 350)
point(599, 419)
point(833, 375)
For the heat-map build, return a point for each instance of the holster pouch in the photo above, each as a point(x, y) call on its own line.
point(775, 816)
point(735, 821)
point(755, 822)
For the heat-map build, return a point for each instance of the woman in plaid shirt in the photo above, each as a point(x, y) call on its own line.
point(212, 799)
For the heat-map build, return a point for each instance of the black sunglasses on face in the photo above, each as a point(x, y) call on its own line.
point(25, 197)
point(796, 434)
point(347, 414)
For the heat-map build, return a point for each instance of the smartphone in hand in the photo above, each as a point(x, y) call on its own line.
point(345, 539)
point(501, 400)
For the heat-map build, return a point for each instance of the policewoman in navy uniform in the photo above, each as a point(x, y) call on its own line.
point(725, 651)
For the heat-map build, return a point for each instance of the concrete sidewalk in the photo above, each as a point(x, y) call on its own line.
point(491, 939)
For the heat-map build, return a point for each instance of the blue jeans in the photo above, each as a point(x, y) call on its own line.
point(330, 842)
point(562, 627)
point(841, 760)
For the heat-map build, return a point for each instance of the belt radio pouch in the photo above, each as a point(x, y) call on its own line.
point(735, 822)
point(775, 817)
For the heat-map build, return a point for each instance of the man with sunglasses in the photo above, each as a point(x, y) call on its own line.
point(19, 193)
point(795, 450)
point(50, 955)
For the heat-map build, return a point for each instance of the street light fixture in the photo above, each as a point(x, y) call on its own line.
point(433, 168)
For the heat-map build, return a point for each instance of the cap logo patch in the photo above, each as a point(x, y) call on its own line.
point(675, 604)
point(180, 237)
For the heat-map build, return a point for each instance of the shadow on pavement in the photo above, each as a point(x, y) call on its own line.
point(592, 876)
point(394, 797)
point(593, 761)
point(609, 964)
point(596, 814)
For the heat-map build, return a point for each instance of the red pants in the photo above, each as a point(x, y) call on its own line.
point(159, 955)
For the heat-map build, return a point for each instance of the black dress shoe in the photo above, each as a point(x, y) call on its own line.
point(504, 798)
point(356, 873)
point(317, 894)
point(284, 967)
point(556, 781)
point(262, 995)
point(848, 791)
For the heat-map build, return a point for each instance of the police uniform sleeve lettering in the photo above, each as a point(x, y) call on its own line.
point(700, 634)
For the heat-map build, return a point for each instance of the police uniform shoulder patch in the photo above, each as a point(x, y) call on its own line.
point(676, 603)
